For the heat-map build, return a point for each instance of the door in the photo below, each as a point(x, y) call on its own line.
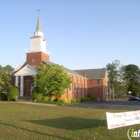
point(27, 85)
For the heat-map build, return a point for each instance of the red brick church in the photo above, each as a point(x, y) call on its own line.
point(83, 81)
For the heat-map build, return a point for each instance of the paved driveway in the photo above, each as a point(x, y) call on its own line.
point(120, 105)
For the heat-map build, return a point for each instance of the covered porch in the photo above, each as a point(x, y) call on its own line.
point(24, 80)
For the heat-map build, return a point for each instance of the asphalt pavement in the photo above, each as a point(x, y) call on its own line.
point(119, 105)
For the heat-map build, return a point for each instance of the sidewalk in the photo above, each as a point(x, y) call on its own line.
point(33, 103)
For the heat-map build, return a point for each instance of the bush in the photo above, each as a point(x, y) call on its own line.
point(39, 97)
point(67, 100)
point(60, 100)
point(52, 98)
point(64, 100)
point(85, 99)
point(13, 92)
point(3, 97)
point(45, 98)
point(90, 95)
point(78, 100)
point(75, 100)
point(36, 96)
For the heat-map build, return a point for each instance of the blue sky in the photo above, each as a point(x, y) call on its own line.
point(81, 34)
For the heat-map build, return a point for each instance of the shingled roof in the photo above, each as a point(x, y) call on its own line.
point(92, 73)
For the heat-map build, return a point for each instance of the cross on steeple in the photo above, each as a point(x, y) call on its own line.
point(39, 11)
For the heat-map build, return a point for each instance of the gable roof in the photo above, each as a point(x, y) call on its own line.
point(15, 70)
point(26, 71)
point(90, 73)
point(93, 73)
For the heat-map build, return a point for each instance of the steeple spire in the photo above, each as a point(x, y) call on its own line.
point(38, 27)
point(38, 31)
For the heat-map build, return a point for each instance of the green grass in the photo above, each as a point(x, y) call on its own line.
point(36, 122)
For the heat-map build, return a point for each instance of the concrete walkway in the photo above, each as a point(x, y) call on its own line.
point(29, 103)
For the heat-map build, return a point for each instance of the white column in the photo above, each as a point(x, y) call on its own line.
point(16, 81)
point(21, 85)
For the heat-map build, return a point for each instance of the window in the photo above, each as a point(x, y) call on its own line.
point(78, 86)
point(98, 81)
point(82, 86)
point(74, 86)
point(98, 90)
point(90, 90)
point(90, 81)
point(70, 87)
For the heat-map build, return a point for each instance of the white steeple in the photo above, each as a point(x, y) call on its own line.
point(38, 31)
point(38, 42)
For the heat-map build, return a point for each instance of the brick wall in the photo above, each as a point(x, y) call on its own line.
point(36, 58)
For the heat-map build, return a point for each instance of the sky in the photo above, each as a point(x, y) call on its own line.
point(80, 34)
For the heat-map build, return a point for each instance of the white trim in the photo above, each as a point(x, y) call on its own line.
point(16, 81)
point(21, 86)
point(27, 70)
point(18, 68)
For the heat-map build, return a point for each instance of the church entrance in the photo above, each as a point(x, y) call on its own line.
point(28, 82)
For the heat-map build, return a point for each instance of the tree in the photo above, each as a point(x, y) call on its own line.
point(132, 73)
point(8, 69)
point(1, 83)
point(4, 78)
point(51, 79)
point(116, 77)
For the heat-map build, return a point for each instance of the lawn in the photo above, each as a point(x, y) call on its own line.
point(32, 122)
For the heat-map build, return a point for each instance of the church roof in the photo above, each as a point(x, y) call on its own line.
point(93, 73)
point(90, 73)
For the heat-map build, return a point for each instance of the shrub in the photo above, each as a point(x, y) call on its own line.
point(39, 97)
point(13, 92)
point(78, 100)
point(75, 100)
point(60, 100)
point(3, 97)
point(36, 96)
point(64, 100)
point(52, 98)
point(85, 99)
point(90, 95)
point(45, 98)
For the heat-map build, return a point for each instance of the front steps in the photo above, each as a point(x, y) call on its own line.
point(24, 99)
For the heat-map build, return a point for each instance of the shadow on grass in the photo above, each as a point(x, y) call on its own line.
point(33, 131)
point(70, 123)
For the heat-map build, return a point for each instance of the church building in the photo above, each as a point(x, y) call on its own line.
point(84, 81)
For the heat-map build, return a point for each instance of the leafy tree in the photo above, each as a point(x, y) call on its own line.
point(132, 73)
point(51, 79)
point(4, 78)
point(1, 83)
point(116, 77)
point(8, 69)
